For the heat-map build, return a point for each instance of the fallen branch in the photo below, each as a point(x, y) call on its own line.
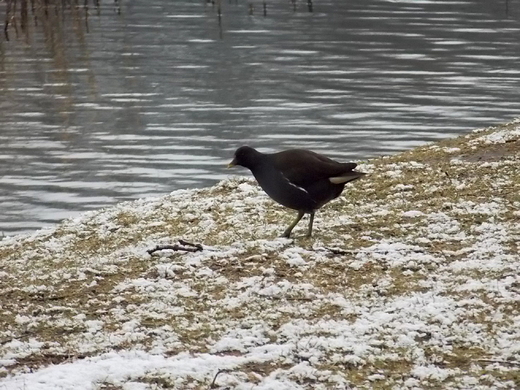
point(184, 246)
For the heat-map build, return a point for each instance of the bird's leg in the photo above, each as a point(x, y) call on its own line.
point(288, 231)
point(311, 221)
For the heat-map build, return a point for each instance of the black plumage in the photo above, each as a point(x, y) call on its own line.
point(298, 179)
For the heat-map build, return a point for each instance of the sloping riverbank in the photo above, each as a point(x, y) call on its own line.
point(411, 281)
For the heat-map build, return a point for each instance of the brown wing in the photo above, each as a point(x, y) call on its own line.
point(303, 167)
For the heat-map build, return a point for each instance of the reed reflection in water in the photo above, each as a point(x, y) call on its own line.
point(103, 102)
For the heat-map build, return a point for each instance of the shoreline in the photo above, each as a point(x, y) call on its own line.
point(410, 281)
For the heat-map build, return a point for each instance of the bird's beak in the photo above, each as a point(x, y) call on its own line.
point(232, 163)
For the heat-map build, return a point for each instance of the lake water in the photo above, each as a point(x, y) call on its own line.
point(104, 105)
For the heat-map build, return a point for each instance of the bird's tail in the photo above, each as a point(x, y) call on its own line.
point(346, 177)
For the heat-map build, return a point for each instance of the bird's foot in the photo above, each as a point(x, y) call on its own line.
point(287, 233)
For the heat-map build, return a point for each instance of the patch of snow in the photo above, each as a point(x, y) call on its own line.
point(499, 137)
point(450, 150)
point(413, 214)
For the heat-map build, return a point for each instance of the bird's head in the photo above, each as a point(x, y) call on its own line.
point(245, 156)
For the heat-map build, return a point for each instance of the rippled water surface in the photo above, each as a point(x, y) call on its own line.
point(116, 106)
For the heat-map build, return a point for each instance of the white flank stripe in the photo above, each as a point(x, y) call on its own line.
point(294, 185)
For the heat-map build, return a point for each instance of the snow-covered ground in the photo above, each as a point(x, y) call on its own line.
point(410, 281)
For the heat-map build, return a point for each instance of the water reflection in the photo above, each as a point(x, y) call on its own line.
point(100, 106)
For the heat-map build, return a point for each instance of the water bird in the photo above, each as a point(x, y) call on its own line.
point(299, 179)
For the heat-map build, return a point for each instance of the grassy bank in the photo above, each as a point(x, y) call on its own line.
point(411, 281)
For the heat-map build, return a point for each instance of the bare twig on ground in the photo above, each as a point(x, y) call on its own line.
point(212, 385)
point(511, 363)
point(184, 246)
